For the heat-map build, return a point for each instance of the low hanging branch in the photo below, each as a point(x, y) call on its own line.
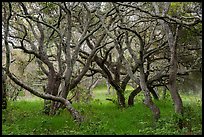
point(64, 101)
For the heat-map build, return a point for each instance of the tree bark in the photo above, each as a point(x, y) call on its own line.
point(52, 88)
point(75, 114)
point(172, 41)
point(132, 96)
point(4, 93)
point(148, 101)
point(121, 99)
point(119, 90)
point(178, 105)
point(172, 83)
point(6, 16)
point(153, 92)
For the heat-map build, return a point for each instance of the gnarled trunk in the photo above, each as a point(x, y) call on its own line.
point(52, 88)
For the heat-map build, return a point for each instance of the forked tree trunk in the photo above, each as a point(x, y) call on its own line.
point(75, 114)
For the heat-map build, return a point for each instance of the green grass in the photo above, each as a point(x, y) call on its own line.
point(102, 117)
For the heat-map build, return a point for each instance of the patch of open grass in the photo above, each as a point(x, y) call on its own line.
point(102, 117)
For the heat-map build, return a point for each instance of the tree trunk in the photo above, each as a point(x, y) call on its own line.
point(52, 88)
point(132, 96)
point(172, 41)
point(148, 101)
point(47, 104)
point(121, 99)
point(153, 92)
point(172, 82)
point(47, 107)
point(75, 114)
point(4, 94)
point(178, 105)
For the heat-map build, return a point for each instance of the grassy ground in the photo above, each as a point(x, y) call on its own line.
point(101, 117)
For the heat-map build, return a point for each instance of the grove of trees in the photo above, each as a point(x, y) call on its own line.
point(148, 44)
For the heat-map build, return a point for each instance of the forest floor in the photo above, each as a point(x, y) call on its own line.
point(102, 117)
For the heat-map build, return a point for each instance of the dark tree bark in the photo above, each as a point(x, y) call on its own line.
point(137, 91)
point(153, 92)
point(119, 90)
point(121, 98)
point(132, 96)
point(178, 104)
point(102, 62)
point(52, 88)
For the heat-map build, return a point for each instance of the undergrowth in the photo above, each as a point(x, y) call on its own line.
point(101, 118)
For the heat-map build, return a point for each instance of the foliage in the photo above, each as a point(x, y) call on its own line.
point(62, 42)
point(101, 118)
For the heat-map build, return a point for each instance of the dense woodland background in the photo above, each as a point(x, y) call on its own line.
point(137, 52)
